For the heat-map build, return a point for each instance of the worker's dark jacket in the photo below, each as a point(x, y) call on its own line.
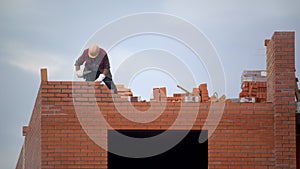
point(99, 63)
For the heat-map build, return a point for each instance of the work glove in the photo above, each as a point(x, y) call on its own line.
point(79, 74)
point(100, 78)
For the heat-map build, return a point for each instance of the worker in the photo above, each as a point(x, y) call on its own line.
point(96, 68)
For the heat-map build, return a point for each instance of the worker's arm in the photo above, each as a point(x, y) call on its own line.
point(78, 63)
point(79, 73)
point(105, 65)
point(105, 72)
point(81, 59)
point(102, 75)
point(77, 68)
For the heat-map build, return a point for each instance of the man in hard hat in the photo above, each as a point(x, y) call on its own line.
point(96, 68)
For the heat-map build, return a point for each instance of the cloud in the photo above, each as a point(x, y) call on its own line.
point(31, 60)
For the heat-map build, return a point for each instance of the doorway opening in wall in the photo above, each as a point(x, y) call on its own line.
point(188, 153)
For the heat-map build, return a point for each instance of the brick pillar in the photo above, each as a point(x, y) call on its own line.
point(280, 91)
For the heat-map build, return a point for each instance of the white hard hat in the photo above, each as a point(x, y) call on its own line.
point(93, 51)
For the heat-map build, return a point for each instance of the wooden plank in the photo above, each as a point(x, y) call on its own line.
point(44, 74)
point(186, 91)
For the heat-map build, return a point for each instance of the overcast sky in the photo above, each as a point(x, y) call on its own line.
point(52, 34)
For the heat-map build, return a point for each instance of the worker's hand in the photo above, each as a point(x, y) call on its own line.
point(100, 78)
point(79, 74)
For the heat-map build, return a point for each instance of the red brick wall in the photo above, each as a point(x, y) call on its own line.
point(33, 138)
point(281, 86)
point(244, 136)
point(30, 156)
point(298, 151)
point(64, 142)
point(65, 130)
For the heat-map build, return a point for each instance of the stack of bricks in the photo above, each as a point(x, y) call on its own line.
point(159, 94)
point(258, 90)
point(254, 85)
point(177, 97)
point(203, 92)
point(261, 95)
point(196, 92)
point(126, 93)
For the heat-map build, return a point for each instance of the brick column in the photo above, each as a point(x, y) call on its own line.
point(280, 86)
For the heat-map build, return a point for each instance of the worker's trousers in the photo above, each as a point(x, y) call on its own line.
point(107, 80)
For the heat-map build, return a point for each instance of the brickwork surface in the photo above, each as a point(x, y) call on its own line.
point(66, 127)
point(281, 91)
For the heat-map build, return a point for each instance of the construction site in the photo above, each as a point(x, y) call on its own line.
point(260, 128)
